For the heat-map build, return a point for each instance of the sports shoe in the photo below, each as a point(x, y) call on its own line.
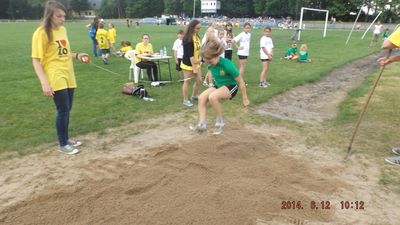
point(263, 84)
point(68, 149)
point(194, 98)
point(396, 150)
point(104, 61)
point(187, 103)
point(198, 128)
point(393, 160)
point(205, 83)
point(218, 128)
point(74, 143)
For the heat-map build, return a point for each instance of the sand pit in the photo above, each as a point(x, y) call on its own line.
point(168, 175)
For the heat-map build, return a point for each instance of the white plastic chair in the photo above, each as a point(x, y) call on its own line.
point(134, 70)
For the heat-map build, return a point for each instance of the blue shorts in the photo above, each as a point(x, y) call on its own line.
point(104, 51)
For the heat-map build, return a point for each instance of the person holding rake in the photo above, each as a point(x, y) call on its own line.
point(392, 42)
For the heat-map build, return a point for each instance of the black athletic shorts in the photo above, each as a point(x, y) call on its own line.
point(242, 57)
point(233, 89)
point(178, 66)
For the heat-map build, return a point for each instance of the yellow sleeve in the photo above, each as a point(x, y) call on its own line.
point(39, 43)
point(395, 37)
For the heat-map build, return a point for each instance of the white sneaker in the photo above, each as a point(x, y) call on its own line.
point(68, 149)
point(74, 143)
point(395, 160)
point(187, 103)
point(396, 150)
point(198, 128)
point(218, 128)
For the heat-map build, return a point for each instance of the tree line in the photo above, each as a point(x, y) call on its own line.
point(340, 9)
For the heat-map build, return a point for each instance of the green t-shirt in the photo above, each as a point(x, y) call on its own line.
point(385, 34)
point(224, 73)
point(303, 55)
point(291, 51)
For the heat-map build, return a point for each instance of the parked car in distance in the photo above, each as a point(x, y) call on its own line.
point(149, 20)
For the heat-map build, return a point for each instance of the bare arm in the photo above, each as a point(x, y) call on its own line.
point(242, 87)
point(388, 45)
point(47, 90)
point(269, 54)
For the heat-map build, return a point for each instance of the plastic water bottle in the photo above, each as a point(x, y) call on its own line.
point(165, 51)
point(161, 52)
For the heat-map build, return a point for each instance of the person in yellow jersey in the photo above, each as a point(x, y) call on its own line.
point(146, 48)
point(103, 41)
point(125, 46)
point(392, 42)
point(112, 36)
point(191, 61)
point(52, 62)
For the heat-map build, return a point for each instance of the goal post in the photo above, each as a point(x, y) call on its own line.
point(311, 9)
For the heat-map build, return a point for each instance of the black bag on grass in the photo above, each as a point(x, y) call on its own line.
point(140, 92)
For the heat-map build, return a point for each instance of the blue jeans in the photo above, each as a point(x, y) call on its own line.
point(63, 100)
point(94, 41)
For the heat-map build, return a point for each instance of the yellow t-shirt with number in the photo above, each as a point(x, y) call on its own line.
point(112, 35)
point(102, 39)
point(55, 57)
point(143, 49)
point(395, 38)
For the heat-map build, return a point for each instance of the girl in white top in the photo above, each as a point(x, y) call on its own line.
point(244, 47)
point(211, 30)
point(221, 38)
point(377, 31)
point(266, 51)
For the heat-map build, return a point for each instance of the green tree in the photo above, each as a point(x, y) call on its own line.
point(237, 8)
point(260, 7)
point(79, 5)
point(19, 9)
point(113, 9)
point(4, 9)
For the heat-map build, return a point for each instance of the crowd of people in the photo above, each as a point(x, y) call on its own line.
point(191, 53)
point(52, 61)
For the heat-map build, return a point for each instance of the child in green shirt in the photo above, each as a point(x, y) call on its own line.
point(227, 82)
point(303, 54)
point(291, 53)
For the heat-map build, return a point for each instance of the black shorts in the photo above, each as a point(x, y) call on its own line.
point(242, 57)
point(228, 54)
point(233, 89)
point(265, 60)
point(178, 66)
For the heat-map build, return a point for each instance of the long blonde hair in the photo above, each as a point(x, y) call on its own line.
point(303, 47)
point(51, 7)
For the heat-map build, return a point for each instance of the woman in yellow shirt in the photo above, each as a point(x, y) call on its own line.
point(191, 61)
point(52, 62)
point(146, 48)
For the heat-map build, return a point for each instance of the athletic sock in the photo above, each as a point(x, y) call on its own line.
point(219, 120)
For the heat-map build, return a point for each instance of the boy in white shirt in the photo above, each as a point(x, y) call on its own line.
point(178, 52)
point(266, 50)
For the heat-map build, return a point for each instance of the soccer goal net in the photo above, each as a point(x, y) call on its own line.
point(311, 9)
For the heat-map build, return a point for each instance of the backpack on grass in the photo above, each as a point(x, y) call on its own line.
point(139, 91)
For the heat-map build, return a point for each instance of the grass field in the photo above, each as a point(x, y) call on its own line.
point(27, 118)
